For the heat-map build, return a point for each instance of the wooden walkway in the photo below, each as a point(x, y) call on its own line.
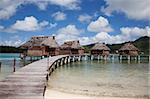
point(28, 82)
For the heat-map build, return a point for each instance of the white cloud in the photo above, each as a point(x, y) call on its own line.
point(134, 9)
point(12, 41)
point(27, 24)
point(70, 32)
point(100, 25)
point(126, 34)
point(134, 32)
point(9, 7)
point(59, 16)
point(69, 4)
point(84, 18)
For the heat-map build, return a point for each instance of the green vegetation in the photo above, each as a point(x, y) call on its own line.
point(142, 44)
point(10, 49)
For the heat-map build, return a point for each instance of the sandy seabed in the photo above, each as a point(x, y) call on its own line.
point(54, 94)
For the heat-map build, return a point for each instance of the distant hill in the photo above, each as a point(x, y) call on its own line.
point(142, 43)
point(10, 49)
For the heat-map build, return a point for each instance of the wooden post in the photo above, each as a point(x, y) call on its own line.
point(98, 57)
point(69, 59)
point(139, 58)
point(79, 58)
point(120, 58)
point(55, 65)
point(47, 63)
point(105, 57)
point(66, 60)
point(0, 66)
point(101, 57)
point(73, 58)
point(113, 58)
point(85, 57)
point(14, 65)
point(92, 57)
point(129, 58)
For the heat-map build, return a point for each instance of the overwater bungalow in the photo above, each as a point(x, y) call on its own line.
point(71, 47)
point(129, 49)
point(100, 49)
point(41, 46)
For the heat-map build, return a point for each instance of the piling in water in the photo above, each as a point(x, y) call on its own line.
point(0, 66)
point(14, 65)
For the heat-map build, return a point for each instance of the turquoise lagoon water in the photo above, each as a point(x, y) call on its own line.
point(7, 61)
point(101, 78)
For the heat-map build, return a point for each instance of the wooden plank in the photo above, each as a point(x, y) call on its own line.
point(22, 97)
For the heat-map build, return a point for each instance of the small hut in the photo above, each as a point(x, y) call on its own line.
point(71, 47)
point(129, 49)
point(41, 46)
point(100, 49)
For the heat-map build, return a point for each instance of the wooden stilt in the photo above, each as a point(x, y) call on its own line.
point(129, 59)
point(120, 58)
point(98, 57)
point(92, 57)
point(101, 57)
point(85, 57)
point(79, 58)
point(105, 57)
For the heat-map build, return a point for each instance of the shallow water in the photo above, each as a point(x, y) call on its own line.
point(7, 61)
point(101, 78)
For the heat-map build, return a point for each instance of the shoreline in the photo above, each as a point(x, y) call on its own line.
point(55, 94)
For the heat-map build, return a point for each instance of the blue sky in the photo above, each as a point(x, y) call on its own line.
point(109, 21)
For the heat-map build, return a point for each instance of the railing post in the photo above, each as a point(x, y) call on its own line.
point(14, 65)
point(55, 65)
point(68, 59)
point(47, 63)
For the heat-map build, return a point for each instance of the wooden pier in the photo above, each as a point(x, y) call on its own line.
point(30, 81)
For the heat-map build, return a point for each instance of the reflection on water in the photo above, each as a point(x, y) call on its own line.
point(101, 78)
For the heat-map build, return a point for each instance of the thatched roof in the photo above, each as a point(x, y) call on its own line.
point(71, 44)
point(100, 46)
point(40, 41)
point(128, 46)
point(51, 42)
